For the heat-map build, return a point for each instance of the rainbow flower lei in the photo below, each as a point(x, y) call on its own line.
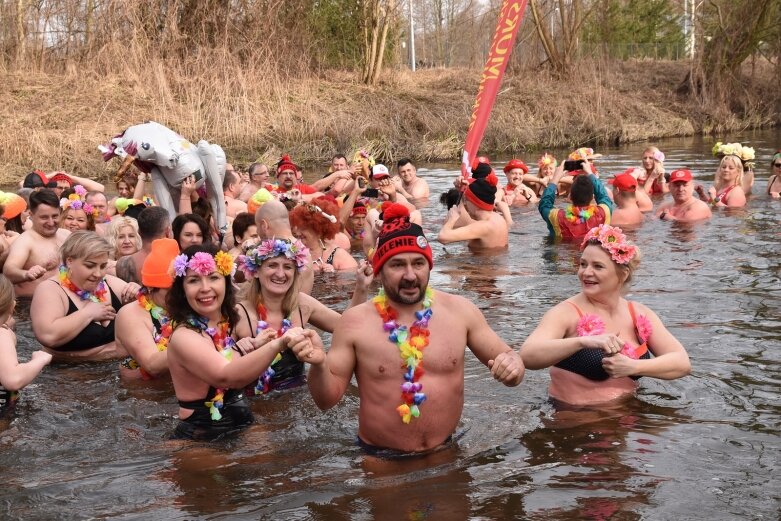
point(264, 382)
point(203, 263)
point(223, 343)
point(250, 262)
point(159, 314)
point(613, 241)
point(98, 296)
point(411, 344)
point(579, 214)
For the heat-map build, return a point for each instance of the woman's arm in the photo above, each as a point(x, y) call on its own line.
point(13, 375)
point(51, 326)
point(320, 316)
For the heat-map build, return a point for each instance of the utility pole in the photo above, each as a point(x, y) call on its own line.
point(411, 38)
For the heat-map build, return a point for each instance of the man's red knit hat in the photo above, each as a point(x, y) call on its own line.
point(399, 235)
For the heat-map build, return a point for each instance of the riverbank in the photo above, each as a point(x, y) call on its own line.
point(56, 121)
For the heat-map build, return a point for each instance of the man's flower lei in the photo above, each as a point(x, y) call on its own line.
point(250, 262)
point(203, 263)
point(75, 201)
point(613, 241)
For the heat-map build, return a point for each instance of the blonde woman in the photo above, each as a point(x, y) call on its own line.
point(123, 237)
point(726, 190)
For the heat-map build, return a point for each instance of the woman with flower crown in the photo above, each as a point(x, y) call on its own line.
point(76, 213)
point(275, 303)
point(208, 368)
point(727, 189)
point(597, 344)
point(73, 313)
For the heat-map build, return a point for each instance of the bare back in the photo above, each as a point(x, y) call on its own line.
point(495, 234)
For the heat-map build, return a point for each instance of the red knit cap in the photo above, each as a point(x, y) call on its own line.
point(399, 235)
point(285, 163)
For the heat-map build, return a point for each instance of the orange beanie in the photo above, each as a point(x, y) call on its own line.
point(13, 204)
point(156, 273)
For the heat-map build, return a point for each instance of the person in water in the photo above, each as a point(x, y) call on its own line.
point(727, 190)
point(684, 206)
point(143, 330)
point(14, 375)
point(208, 368)
point(73, 313)
point(405, 347)
point(597, 344)
point(574, 221)
point(275, 303)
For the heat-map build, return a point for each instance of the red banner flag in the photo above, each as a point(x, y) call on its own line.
point(510, 18)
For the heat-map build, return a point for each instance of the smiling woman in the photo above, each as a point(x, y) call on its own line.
point(73, 313)
point(600, 343)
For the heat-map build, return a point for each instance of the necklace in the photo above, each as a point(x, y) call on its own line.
point(99, 295)
point(579, 214)
point(223, 343)
point(164, 333)
point(264, 382)
point(411, 343)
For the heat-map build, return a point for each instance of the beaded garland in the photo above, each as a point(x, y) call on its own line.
point(264, 382)
point(411, 343)
point(223, 343)
point(98, 296)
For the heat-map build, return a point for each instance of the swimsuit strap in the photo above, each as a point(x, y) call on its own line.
point(301, 316)
point(249, 322)
point(330, 259)
point(580, 313)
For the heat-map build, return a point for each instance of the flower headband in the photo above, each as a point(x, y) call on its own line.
point(250, 262)
point(75, 201)
point(203, 263)
point(745, 154)
point(613, 241)
point(546, 160)
point(362, 155)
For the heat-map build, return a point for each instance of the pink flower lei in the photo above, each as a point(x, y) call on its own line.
point(613, 241)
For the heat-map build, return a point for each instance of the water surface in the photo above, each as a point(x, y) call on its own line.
point(84, 445)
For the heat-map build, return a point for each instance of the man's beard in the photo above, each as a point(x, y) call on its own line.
point(394, 295)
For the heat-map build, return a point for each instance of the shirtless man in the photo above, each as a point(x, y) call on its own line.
point(408, 183)
point(231, 185)
point(395, 413)
point(153, 223)
point(272, 222)
point(624, 194)
point(516, 193)
point(35, 255)
point(258, 178)
point(474, 219)
point(684, 206)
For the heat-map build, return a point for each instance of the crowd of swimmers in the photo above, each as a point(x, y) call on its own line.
point(230, 318)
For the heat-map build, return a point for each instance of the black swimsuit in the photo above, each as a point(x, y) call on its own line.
point(289, 366)
point(94, 334)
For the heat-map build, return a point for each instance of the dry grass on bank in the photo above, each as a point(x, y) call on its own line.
point(56, 121)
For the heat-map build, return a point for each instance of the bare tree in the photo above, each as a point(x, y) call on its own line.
point(379, 16)
point(560, 46)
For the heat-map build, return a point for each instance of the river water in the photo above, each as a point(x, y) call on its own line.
point(83, 445)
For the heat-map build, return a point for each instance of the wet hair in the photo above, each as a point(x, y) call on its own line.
point(46, 197)
point(450, 198)
point(7, 296)
point(179, 309)
point(84, 244)
point(116, 226)
point(152, 222)
point(67, 211)
point(404, 161)
point(306, 217)
point(181, 220)
point(241, 224)
point(582, 191)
